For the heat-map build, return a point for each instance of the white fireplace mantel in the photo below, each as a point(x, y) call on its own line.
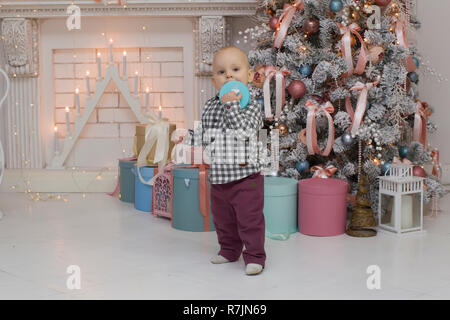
point(28, 142)
point(193, 8)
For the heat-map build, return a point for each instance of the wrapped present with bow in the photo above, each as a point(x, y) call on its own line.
point(156, 128)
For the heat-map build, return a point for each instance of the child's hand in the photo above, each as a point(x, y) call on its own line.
point(231, 96)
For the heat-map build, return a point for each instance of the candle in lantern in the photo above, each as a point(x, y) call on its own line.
point(124, 72)
point(136, 83)
point(77, 100)
point(88, 88)
point(99, 66)
point(56, 139)
point(146, 99)
point(67, 122)
point(159, 113)
point(110, 51)
point(407, 211)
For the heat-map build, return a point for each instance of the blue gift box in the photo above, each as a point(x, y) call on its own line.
point(143, 192)
point(280, 207)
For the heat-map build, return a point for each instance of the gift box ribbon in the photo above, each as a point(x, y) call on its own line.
point(270, 72)
point(156, 132)
point(311, 133)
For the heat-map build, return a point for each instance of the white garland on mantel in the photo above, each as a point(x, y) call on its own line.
point(2, 154)
point(57, 8)
point(111, 73)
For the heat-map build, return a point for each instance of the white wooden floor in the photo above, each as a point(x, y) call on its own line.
point(126, 254)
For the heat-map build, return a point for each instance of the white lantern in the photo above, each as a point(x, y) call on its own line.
point(400, 206)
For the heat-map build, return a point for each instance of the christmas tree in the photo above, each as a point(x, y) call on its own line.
point(340, 81)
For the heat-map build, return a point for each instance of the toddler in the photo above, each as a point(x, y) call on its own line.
point(237, 187)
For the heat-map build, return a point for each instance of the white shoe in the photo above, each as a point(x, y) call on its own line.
point(253, 269)
point(219, 259)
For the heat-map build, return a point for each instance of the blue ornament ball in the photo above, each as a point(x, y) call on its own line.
point(260, 102)
point(413, 76)
point(385, 167)
point(306, 70)
point(403, 151)
point(368, 105)
point(302, 166)
point(416, 61)
point(336, 5)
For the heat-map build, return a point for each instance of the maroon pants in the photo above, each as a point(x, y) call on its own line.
point(237, 209)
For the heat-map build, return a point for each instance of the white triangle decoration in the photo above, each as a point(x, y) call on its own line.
point(111, 73)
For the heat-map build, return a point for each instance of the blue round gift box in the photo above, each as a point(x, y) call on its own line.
point(143, 192)
point(280, 207)
point(126, 179)
point(186, 201)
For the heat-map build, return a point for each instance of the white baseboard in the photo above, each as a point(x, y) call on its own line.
point(58, 181)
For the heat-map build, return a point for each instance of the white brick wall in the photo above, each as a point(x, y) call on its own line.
point(113, 123)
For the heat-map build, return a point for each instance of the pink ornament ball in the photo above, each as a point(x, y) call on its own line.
point(382, 3)
point(418, 171)
point(297, 89)
point(273, 23)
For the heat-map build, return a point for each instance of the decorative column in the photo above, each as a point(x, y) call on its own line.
point(210, 37)
point(21, 54)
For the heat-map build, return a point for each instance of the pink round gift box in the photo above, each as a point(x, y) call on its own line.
point(322, 207)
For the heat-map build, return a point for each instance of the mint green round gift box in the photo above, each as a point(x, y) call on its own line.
point(280, 207)
point(186, 201)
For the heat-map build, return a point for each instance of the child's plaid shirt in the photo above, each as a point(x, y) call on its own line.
point(230, 135)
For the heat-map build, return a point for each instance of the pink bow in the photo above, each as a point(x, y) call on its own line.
point(420, 124)
point(324, 173)
point(311, 134)
point(289, 11)
point(270, 72)
point(358, 115)
point(436, 167)
point(401, 37)
point(403, 161)
point(346, 48)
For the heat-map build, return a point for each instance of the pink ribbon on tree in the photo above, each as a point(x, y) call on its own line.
point(117, 188)
point(288, 14)
point(346, 48)
point(358, 115)
point(270, 72)
point(420, 124)
point(401, 37)
point(324, 173)
point(435, 159)
point(401, 161)
point(311, 134)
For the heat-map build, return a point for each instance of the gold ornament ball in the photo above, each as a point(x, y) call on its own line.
point(282, 129)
